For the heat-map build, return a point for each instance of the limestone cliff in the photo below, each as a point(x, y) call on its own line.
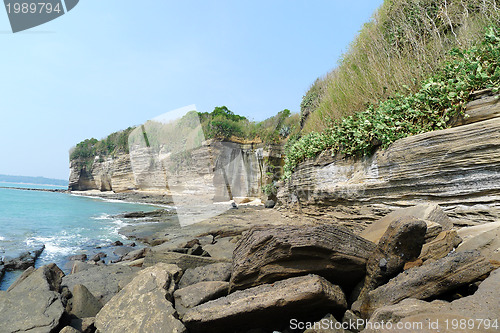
point(216, 166)
point(458, 168)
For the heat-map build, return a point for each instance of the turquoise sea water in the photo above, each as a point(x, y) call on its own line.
point(66, 224)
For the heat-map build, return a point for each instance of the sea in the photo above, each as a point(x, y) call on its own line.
point(66, 224)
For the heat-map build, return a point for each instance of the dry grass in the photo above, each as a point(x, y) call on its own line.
point(405, 41)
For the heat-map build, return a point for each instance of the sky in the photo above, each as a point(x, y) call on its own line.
point(108, 65)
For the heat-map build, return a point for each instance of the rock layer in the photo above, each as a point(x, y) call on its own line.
point(457, 168)
point(268, 254)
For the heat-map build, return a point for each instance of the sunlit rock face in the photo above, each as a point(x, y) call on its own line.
point(457, 168)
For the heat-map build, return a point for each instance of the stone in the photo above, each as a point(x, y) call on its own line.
point(353, 321)
point(199, 293)
point(102, 281)
point(214, 272)
point(122, 251)
point(83, 303)
point(267, 305)
point(414, 263)
point(78, 257)
point(79, 266)
point(24, 260)
point(468, 232)
point(429, 280)
point(184, 261)
point(483, 304)
point(97, 257)
point(33, 304)
point(69, 329)
point(488, 243)
point(270, 253)
point(326, 325)
point(401, 242)
point(270, 204)
point(439, 247)
point(143, 305)
point(134, 255)
point(222, 249)
point(84, 325)
point(457, 168)
point(117, 243)
point(427, 212)
point(433, 230)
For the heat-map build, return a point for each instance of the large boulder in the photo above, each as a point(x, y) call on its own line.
point(439, 247)
point(488, 243)
point(328, 324)
point(182, 260)
point(401, 242)
point(199, 293)
point(83, 303)
point(143, 305)
point(484, 304)
point(267, 254)
point(23, 260)
point(428, 280)
point(268, 305)
point(426, 212)
point(102, 281)
point(33, 304)
point(214, 272)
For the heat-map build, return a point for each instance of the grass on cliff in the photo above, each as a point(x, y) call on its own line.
point(438, 98)
point(405, 42)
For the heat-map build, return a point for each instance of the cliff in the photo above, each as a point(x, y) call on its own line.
point(213, 167)
point(457, 168)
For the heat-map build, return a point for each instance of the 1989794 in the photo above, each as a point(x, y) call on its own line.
point(33, 7)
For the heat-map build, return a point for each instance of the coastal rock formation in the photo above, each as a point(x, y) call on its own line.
point(102, 281)
point(428, 280)
point(439, 247)
point(213, 272)
point(83, 304)
point(267, 254)
point(266, 305)
point(457, 168)
point(33, 304)
point(213, 167)
point(196, 294)
point(143, 305)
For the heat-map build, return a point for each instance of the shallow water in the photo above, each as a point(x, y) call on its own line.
point(65, 223)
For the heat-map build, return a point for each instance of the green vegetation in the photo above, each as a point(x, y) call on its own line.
point(405, 42)
point(224, 124)
point(85, 151)
point(437, 99)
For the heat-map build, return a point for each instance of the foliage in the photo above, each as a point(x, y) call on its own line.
point(405, 42)
point(85, 151)
point(439, 98)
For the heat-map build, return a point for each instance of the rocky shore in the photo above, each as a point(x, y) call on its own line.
point(253, 270)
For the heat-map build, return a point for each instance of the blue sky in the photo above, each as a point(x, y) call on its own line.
point(107, 65)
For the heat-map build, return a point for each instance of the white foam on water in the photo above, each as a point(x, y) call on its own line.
point(56, 246)
point(2, 238)
point(103, 216)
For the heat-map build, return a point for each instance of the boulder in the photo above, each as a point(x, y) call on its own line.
point(429, 280)
point(401, 242)
point(78, 257)
point(143, 305)
point(69, 329)
point(270, 204)
point(33, 304)
point(134, 255)
point(427, 212)
point(84, 325)
point(102, 281)
point(468, 232)
point(222, 249)
point(483, 304)
point(326, 325)
point(122, 250)
point(270, 253)
point(24, 260)
point(433, 230)
point(488, 243)
point(184, 261)
point(439, 247)
point(214, 272)
point(97, 257)
point(199, 293)
point(79, 266)
point(266, 306)
point(83, 303)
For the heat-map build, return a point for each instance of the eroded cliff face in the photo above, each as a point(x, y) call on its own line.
point(457, 168)
point(215, 167)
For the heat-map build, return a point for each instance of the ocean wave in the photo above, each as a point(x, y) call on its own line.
point(2, 238)
point(103, 216)
point(60, 245)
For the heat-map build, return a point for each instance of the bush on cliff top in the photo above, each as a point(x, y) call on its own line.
point(440, 97)
point(405, 42)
